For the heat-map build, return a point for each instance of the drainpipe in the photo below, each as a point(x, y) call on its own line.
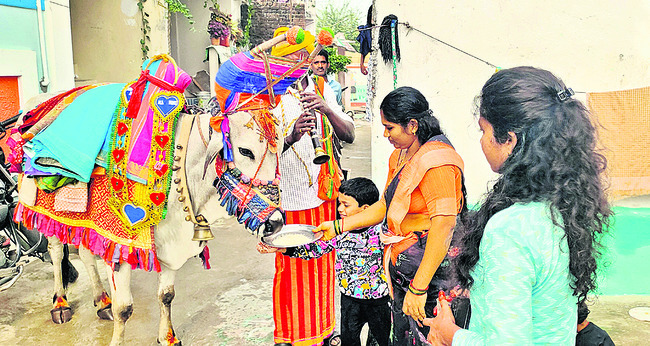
point(41, 33)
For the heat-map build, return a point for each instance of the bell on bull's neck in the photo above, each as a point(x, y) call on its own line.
point(202, 233)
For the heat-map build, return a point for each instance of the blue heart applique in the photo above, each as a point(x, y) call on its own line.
point(167, 104)
point(134, 214)
point(127, 94)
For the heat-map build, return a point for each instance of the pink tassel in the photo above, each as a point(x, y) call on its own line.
point(206, 257)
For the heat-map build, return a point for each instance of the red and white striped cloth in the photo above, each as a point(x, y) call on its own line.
point(303, 291)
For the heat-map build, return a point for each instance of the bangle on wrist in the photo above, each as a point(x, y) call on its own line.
point(417, 292)
point(337, 227)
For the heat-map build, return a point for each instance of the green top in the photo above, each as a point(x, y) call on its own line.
point(521, 293)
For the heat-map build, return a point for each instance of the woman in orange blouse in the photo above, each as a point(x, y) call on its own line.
point(423, 195)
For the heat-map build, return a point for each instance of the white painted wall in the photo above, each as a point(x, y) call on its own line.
point(58, 37)
point(592, 45)
point(22, 64)
point(106, 38)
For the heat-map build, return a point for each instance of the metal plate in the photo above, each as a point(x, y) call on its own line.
point(641, 313)
point(292, 235)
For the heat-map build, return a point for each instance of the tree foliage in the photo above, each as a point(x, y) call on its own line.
point(337, 62)
point(340, 18)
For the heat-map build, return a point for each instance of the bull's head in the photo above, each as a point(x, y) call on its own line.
point(246, 163)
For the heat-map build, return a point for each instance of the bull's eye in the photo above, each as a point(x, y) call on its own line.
point(247, 153)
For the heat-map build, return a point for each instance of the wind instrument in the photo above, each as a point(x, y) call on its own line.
point(320, 156)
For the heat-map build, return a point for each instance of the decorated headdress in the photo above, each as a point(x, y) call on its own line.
point(254, 80)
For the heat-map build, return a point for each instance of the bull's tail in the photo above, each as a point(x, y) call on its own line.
point(70, 274)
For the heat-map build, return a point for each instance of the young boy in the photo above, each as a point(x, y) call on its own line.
point(590, 334)
point(363, 286)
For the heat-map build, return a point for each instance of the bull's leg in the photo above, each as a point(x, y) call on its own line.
point(120, 283)
point(61, 312)
point(101, 299)
point(166, 335)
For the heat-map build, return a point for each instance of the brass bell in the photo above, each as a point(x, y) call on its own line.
point(202, 233)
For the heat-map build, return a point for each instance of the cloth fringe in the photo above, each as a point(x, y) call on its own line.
point(112, 253)
point(235, 208)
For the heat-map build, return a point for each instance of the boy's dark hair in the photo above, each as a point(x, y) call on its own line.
point(583, 312)
point(325, 54)
point(363, 190)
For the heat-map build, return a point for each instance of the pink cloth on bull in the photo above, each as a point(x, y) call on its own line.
point(142, 128)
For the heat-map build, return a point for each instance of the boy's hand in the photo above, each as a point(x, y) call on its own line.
point(327, 228)
point(263, 248)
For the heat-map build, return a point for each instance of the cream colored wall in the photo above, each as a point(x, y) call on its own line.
point(106, 38)
point(592, 45)
point(188, 43)
point(21, 63)
point(59, 45)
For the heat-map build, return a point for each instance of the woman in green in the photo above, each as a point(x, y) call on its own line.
point(529, 255)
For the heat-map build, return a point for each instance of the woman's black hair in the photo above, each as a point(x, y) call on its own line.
point(363, 190)
point(554, 160)
point(406, 103)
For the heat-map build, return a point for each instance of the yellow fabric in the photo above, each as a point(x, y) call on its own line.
point(284, 48)
point(623, 118)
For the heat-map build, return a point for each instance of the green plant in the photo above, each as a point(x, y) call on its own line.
point(246, 36)
point(176, 6)
point(221, 25)
point(173, 6)
point(146, 29)
point(338, 63)
point(340, 17)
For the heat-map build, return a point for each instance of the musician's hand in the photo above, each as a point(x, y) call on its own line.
point(312, 101)
point(303, 125)
point(364, 70)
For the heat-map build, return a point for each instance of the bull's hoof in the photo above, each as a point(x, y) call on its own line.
point(61, 314)
point(176, 343)
point(104, 307)
point(170, 339)
point(105, 313)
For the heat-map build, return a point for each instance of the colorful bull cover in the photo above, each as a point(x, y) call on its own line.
point(128, 130)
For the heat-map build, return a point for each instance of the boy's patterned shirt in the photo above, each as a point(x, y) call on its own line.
point(358, 262)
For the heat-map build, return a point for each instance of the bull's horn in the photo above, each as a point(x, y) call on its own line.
point(325, 38)
point(295, 35)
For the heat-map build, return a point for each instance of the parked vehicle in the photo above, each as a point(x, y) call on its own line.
point(17, 243)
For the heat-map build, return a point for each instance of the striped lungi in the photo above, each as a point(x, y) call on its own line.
point(303, 291)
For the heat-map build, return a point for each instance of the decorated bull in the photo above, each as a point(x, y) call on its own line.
point(139, 183)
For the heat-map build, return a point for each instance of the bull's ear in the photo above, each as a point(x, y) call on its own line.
point(214, 147)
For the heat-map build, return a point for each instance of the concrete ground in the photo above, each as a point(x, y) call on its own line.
point(227, 305)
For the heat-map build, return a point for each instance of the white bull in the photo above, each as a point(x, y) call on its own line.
point(173, 236)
